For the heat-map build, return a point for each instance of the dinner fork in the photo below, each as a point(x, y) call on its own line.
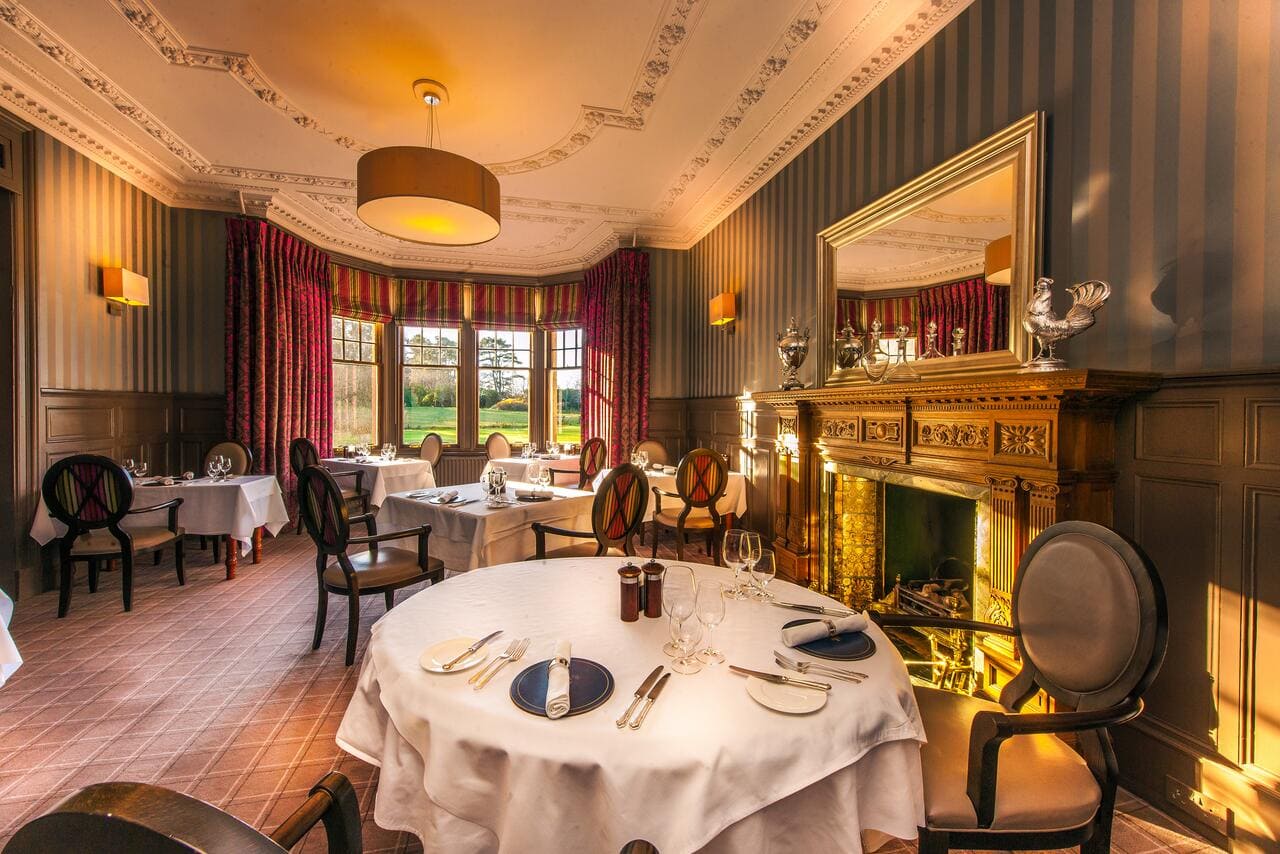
point(503, 660)
point(822, 669)
point(511, 648)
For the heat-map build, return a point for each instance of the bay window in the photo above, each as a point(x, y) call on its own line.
point(429, 383)
point(566, 386)
point(355, 381)
point(503, 360)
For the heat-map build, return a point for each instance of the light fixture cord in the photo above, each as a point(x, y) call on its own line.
point(433, 127)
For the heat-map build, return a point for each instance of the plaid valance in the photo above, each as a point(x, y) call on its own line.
point(360, 294)
point(502, 306)
point(429, 301)
point(562, 306)
point(890, 312)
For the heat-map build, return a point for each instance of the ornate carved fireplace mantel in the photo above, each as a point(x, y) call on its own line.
point(1043, 443)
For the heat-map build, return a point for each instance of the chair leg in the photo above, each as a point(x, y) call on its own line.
point(353, 627)
point(322, 614)
point(204, 542)
point(93, 576)
point(933, 842)
point(680, 543)
point(1100, 842)
point(177, 562)
point(656, 529)
point(389, 596)
point(126, 579)
point(217, 550)
point(64, 589)
point(299, 529)
point(157, 557)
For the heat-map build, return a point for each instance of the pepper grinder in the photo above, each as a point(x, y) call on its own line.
point(629, 580)
point(651, 593)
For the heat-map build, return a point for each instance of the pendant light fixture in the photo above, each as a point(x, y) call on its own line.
point(425, 194)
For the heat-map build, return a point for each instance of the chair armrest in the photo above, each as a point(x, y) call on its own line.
point(540, 531)
point(889, 621)
point(332, 801)
point(171, 503)
point(662, 493)
point(424, 530)
point(989, 730)
point(366, 519)
point(358, 474)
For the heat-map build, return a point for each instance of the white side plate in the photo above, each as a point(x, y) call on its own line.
point(435, 657)
point(784, 698)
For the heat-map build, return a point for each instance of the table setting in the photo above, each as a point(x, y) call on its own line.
point(526, 467)
point(653, 700)
point(385, 473)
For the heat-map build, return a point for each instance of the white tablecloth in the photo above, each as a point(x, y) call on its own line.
point(472, 535)
point(382, 478)
point(10, 660)
point(710, 769)
point(517, 468)
point(733, 501)
point(235, 507)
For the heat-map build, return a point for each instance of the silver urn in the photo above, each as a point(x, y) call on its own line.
point(849, 348)
point(793, 347)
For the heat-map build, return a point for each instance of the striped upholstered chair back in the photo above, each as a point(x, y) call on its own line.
point(701, 478)
point(302, 453)
point(86, 491)
point(591, 461)
point(324, 510)
point(619, 507)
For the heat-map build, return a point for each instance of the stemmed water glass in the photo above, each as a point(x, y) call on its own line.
point(685, 635)
point(679, 596)
point(212, 466)
point(762, 572)
point(534, 472)
point(545, 477)
point(736, 553)
point(225, 466)
point(140, 469)
point(129, 465)
point(750, 555)
point(709, 606)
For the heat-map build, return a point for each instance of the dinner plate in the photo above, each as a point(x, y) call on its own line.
point(531, 497)
point(790, 699)
point(590, 685)
point(853, 646)
point(435, 657)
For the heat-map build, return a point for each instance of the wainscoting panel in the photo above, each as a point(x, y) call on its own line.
point(1199, 489)
point(745, 435)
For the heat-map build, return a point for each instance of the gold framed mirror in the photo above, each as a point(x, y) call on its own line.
point(957, 247)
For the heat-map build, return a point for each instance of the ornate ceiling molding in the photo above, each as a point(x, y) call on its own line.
point(922, 273)
point(933, 215)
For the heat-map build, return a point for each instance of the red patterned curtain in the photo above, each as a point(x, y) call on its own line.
point(562, 307)
point(361, 295)
point(982, 309)
point(615, 383)
point(278, 374)
point(426, 301)
point(502, 306)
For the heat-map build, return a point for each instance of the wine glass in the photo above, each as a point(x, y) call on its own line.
point(226, 467)
point(733, 553)
point(129, 465)
point(709, 607)
point(762, 572)
point(212, 467)
point(685, 634)
point(534, 472)
point(545, 477)
point(391, 452)
point(643, 456)
point(679, 595)
point(141, 469)
point(750, 552)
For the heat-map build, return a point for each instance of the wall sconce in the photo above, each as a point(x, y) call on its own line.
point(998, 258)
point(724, 311)
point(123, 287)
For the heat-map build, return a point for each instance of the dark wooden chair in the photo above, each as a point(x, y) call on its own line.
point(656, 450)
point(1091, 627)
point(497, 447)
point(91, 495)
point(109, 818)
point(382, 569)
point(616, 514)
point(701, 479)
point(432, 449)
point(303, 453)
point(592, 459)
point(241, 464)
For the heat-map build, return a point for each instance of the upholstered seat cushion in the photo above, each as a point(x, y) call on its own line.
point(101, 541)
point(695, 521)
point(579, 550)
point(386, 566)
point(1042, 784)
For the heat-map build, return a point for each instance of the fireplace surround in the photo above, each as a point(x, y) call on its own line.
point(1028, 450)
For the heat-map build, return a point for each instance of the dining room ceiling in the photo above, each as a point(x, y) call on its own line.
point(605, 122)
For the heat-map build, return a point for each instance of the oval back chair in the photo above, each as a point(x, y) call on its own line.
point(379, 570)
point(1090, 625)
point(303, 454)
point(592, 460)
point(497, 446)
point(616, 515)
point(241, 457)
point(110, 817)
point(701, 479)
point(91, 495)
point(656, 450)
point(432, 449)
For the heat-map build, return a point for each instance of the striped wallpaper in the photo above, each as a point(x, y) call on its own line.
point(1158, 179)
point(669, 317)
point(89, 218)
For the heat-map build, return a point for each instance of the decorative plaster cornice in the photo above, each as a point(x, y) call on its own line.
point(922, 274)
point(934, 215)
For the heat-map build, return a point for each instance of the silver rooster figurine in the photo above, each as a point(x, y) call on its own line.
point(1050, 330)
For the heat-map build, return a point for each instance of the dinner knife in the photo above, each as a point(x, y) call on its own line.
point(648, 704)
point(780, 680)
point(813, 609)
point(469, 650)
point(640, 692)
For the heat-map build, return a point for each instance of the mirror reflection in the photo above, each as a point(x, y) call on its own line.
point(932, 283)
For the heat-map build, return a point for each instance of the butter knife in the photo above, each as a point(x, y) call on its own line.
point(781, 680)
point(648, 704)
point(640, 692)
point(813, 609)
point(469, 650)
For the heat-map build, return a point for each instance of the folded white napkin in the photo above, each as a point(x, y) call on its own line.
point(166, 481)
point(444, 497)
point(558, 681)
point(797, 635)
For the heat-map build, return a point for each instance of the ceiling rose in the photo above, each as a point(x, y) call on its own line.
point(425, 194)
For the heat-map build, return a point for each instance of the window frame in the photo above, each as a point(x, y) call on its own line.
point(461, 348)
point(553, 352)
point(379, 335)
point(531, 369)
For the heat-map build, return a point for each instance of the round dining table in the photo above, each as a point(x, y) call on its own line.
point(710, 769)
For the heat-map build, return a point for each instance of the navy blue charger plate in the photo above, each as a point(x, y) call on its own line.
point(854, 646)
point(590, 685)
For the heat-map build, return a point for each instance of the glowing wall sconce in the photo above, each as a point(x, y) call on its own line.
point(724, 311)
point(123, 287)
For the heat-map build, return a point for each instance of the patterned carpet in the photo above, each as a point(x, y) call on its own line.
point(213, 690)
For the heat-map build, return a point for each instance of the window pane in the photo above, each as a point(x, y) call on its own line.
point(566, 402)
point(366, 353)
point(351, 329)
point(504, 404)
point(351, 351)
point(366, 332)
point(430, 404)
point(336, 327)
point(354, 391)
